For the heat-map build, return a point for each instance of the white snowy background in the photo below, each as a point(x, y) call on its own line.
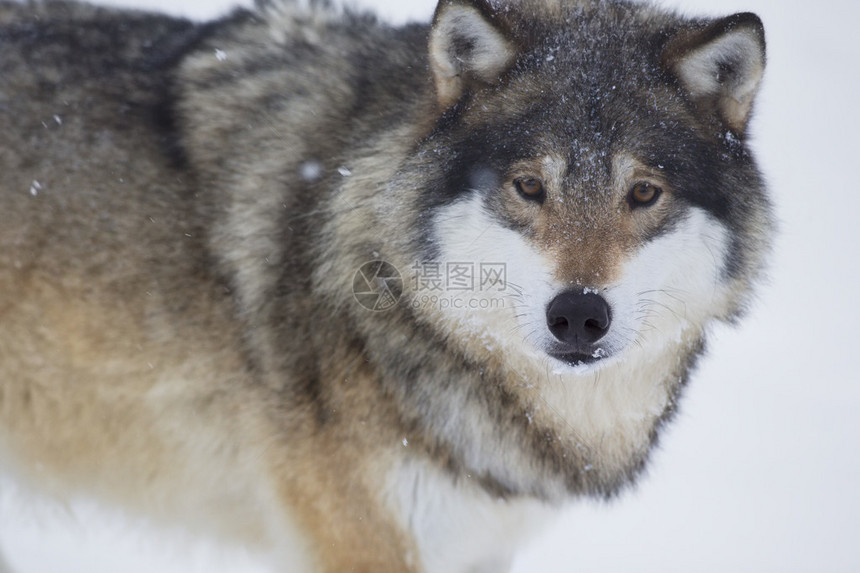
point(761, 470)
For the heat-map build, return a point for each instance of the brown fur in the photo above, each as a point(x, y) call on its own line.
point(177, 331)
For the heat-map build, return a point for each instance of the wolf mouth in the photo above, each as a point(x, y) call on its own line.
point(578, 358)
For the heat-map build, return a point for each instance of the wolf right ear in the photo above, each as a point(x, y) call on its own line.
point(721, 65)
point(467, 48)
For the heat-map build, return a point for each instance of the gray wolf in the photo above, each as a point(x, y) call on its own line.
point(550, 200)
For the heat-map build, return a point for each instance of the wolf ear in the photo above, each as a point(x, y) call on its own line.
point(466, 48)
point(721, 65)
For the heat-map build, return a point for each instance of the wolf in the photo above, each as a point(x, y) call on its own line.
point(363, 297)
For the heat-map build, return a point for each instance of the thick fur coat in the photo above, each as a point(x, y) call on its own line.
point(184, 209)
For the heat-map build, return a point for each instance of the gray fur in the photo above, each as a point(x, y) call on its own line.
point(216, 187)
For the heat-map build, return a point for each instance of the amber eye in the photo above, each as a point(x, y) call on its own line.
point(644, 195)
point(530, 188)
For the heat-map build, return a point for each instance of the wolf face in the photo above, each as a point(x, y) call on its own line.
point(662, 287)
point(607, 169)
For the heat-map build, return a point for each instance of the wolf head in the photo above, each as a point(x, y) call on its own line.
point(598, 152)
point(571, 201)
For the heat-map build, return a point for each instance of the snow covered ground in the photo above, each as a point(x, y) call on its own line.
point(760, 472)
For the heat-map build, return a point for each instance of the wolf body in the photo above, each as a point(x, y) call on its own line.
point(185, 212)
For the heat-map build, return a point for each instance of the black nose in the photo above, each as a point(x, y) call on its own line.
point(578, 318)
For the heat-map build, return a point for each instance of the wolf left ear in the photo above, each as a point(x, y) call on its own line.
point(467, 48)
point(721, 65)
